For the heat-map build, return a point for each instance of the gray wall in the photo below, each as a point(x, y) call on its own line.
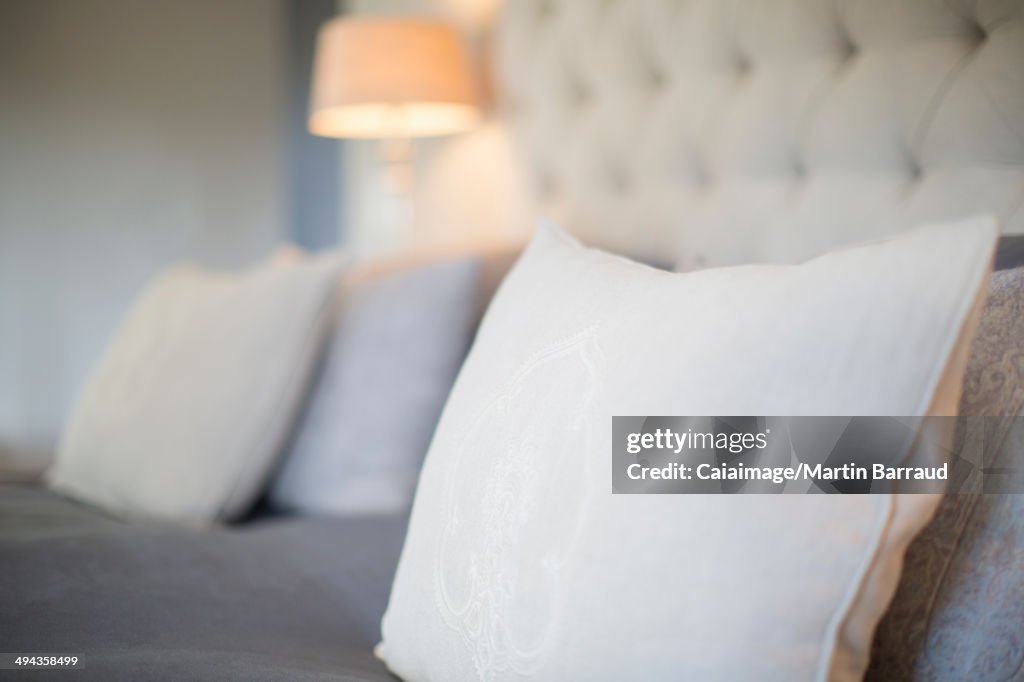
point(314, 168)
point(132, 134)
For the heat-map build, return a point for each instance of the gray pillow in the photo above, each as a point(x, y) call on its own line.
point(398, 344)
point(958, 612)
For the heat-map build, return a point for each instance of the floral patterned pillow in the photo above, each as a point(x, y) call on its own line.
point(958, 612)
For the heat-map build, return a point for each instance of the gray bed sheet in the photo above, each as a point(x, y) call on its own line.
point(274, 599)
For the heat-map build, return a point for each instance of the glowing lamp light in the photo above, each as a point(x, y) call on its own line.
point(391, 78)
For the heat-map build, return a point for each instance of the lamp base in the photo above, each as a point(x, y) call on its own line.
point(399, 155)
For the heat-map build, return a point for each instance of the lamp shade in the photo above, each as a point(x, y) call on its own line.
point(377, 77)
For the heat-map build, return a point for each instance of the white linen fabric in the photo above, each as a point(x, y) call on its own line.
point(398, 344)
point(735, 131)
point(520, 563)
point(188, 409)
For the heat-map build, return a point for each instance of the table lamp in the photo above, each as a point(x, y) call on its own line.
point(391, 79)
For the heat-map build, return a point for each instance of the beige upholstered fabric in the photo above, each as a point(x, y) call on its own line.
point(729, 131)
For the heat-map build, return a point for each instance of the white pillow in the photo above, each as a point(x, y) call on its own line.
point(520, 563)
point(187, 410)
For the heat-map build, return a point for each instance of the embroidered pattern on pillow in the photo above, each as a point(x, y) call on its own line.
point(507, 617)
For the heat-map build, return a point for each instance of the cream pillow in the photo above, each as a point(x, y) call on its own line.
point(521, 564)
point(186, 412)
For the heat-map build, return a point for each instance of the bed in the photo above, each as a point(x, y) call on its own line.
point(696, 132)
point(273, 598)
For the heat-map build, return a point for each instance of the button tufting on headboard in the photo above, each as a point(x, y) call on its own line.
point(729, 131)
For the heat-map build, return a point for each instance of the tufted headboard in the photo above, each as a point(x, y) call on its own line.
point(727, 131)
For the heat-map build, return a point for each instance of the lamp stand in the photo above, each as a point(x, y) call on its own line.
point(398, 155)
